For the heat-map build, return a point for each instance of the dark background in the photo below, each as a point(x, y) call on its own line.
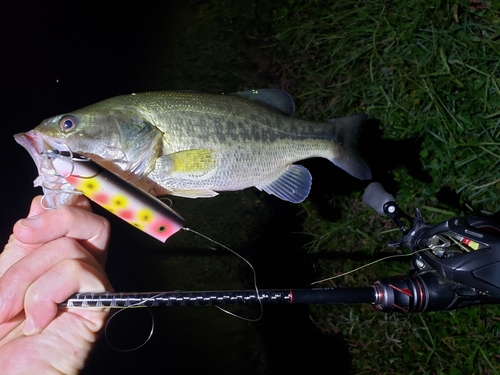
point(60, 56)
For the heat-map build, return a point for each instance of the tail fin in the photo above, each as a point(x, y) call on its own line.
point(346, 156)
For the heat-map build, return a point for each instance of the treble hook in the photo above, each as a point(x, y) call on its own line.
point(56, 189)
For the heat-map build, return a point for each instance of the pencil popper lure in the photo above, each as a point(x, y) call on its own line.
point(116, 195)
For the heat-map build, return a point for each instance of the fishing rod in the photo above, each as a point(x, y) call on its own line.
point(221, 297)
point(454, 264)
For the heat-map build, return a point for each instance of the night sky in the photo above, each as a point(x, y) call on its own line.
point(63, 56)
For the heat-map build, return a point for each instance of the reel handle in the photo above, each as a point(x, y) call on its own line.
point(376, 197)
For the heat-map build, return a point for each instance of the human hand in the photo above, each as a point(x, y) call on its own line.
point(50, 256)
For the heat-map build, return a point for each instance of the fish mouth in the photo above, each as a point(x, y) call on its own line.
point(35, 143)
point(56, 190)
point(117, 161)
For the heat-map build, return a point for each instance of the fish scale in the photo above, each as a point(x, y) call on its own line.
point(196, 144)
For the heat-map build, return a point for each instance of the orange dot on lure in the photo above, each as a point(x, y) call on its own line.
point(115, 194)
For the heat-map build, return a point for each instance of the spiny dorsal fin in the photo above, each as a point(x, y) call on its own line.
point(276, 98)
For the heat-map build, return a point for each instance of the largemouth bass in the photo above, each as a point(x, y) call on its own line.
point(193, 145)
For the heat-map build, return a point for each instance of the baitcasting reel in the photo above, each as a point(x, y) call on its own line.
point(456, 263)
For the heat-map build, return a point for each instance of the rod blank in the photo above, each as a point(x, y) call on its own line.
point(223, 297)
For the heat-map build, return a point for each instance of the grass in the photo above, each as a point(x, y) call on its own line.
point(427, 73)
point(426, 70)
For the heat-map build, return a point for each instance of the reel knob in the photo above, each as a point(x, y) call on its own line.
point(375, 196)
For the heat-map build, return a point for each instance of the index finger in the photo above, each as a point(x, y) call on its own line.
point(37, 206)
point(89, 229)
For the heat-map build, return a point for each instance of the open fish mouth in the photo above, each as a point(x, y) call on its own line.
point(57, 191)
point(35, 143)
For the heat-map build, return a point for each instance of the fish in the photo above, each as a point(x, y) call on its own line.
point(197, 144)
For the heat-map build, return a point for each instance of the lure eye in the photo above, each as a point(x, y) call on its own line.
point(67, 123)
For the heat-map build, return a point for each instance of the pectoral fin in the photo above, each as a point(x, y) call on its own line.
point(199, 161)
point(291, 183)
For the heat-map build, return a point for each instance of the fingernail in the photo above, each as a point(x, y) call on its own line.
point(31, 223)
point(29, 326)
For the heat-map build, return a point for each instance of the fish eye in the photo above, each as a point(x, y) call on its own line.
point(67, 123)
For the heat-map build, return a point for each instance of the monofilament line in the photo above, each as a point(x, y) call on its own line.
point(249, 265)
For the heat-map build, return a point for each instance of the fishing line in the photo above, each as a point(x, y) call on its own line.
point(249, 265)
point(368, 265)
point(106, 327)
point(140, 304)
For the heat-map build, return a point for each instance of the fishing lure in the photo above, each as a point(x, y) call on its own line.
point(116, 195)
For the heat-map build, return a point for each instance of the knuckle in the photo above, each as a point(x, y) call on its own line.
point(63, 213)
point(71, 266)
point(64, 243)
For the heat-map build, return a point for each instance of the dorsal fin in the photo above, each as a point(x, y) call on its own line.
point(276, 98)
